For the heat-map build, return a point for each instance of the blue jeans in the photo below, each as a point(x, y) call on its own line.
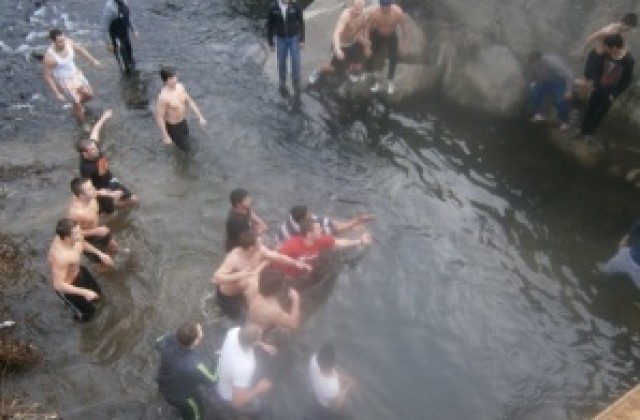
point(284, 47)
point(557, 88)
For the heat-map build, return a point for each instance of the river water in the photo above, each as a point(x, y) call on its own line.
point(479, 299)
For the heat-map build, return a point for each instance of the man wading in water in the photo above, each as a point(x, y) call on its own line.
point(72, 282)
point(171, 108)
point(65, 80)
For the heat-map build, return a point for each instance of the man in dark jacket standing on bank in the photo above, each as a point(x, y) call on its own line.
point(614, 78)
point(286, 22)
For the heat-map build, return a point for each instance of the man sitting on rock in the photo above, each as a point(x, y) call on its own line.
point(349, 44)
point(548, 75)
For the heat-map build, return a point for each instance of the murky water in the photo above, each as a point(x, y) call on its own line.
point(480, 298)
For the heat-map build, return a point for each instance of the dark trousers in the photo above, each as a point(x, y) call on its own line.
point(119, 33)
point(554, 87)
point(599, 104)
point(378, 44)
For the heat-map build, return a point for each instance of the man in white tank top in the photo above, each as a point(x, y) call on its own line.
point(61, 74)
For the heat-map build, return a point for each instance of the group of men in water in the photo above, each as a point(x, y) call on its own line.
point(259, 288)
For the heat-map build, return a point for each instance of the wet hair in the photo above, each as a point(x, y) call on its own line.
point(270, 282)
point(326, 357)
point(83, 144)
point(187, 333)
point(298, 213)
point(613, 41)
point(54, 34)
point(306, 226)
point(76, 185)
point(247, 239)
point(167, 73)
point(237, 196)
point(534, 56)
point(630, 20)
point(249, 335)
point(64, 227)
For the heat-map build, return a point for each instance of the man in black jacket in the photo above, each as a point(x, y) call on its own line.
point(286, 23)
point(614, 78)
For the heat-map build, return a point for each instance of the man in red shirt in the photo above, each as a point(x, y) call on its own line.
point(311, 243)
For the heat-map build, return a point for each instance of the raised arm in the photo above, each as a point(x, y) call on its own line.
point(95, 131)
point(360, 219)
point(341, 243)
point(283, 259)
point(84, 53)
point(599, 35)
point(49, 63)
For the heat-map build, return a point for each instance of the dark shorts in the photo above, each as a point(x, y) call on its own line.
point(179, 134)
point(233, 307)
point(594, 65)
point(100, 242)
point(353, 54)
point(83, 310)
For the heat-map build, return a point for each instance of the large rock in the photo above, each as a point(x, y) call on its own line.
point(490, 80)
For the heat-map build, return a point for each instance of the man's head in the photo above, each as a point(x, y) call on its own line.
point(189, 334)
point(299, 213)
point(87, 148)
point(270, 283)
point(240, 199)
point(385, 5)
point(57, 37)
point(357, 8)
point(326, 358)
point(247, 239)
point(310, 229)
point(67, 228)
point(168, 76)
point(630, 20)
point(613, 42)
point(534, 56)
point(249, 335)
point(83, 188)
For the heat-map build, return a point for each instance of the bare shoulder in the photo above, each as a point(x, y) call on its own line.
point(397, 10)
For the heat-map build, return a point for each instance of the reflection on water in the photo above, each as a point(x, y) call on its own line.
point(479, 298)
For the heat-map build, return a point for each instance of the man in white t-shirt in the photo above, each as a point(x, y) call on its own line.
point(236, 368)
point(330, 388)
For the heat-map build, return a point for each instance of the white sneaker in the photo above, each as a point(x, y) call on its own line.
point(375, 88)
point(390, 88)
point(313, 77)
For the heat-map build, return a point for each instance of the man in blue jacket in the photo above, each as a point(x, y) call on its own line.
point(285, 22)
point(182, 372)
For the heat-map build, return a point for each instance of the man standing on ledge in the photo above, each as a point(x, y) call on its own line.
point(286, 22)
point(171, 108)
point(383, 23)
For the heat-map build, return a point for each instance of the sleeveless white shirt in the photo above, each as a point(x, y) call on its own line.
point(65, 68)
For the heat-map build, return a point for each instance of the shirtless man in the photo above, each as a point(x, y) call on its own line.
point(94, 165)
point(241, 267)
point(382, 24)
point(84, 211)
point(595, 59)
point(171, 108)
point(265, 309)
point(61, 74)
point(72, 282)
point(349, 44)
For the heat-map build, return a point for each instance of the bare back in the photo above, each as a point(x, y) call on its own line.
point(174, 103)
point(351, 27)
point(264, 312)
